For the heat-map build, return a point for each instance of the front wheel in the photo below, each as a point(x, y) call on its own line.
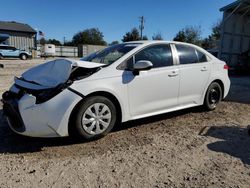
point(95, 117)
point(213, 96)
point(23, 56)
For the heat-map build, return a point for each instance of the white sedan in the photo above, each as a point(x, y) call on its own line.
point(120, 83)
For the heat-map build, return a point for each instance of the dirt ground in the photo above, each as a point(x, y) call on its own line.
point(189, 148)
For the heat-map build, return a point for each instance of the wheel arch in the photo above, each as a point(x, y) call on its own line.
point(220, 82)
point(97, 93)
point(110, 96)
point(221, 85)
point(23, 53)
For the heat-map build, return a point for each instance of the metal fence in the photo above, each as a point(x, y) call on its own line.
point(61, 51)
point(72, 51)
point(84, 50)
point(66, 51)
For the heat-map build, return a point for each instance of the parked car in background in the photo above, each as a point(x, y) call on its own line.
point(120, 83)
point(12, 52)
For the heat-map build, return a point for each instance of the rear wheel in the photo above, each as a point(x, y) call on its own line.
point(95, 117)
point(213, 96)
point(23, 56)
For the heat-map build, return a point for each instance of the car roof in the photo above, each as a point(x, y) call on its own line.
point(158, 41)
point(148, 42)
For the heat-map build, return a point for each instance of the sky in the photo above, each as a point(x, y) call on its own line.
point(64, 18)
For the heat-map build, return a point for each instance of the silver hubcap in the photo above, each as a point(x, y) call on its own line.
point(96, 118)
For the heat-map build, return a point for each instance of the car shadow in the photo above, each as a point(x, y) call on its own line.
point(234, 141)
point(11, 142)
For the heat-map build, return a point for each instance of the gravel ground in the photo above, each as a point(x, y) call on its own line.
point(189, 148)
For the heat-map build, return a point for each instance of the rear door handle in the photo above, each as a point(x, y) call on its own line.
point(173, 73)
point(204, 69)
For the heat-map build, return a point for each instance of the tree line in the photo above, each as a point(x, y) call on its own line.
point(192, 34)
point(189, 34)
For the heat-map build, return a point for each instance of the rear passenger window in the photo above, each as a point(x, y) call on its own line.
point(187, 54)
point(10, 48)
point(201, 57)
point(159, 55)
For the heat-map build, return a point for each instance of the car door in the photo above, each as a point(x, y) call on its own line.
point(194, 70)
point(8, 51)
point(3, 50)
point(154, 90)
point(12, 52)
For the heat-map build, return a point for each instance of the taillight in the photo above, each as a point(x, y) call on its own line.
point(226, 67)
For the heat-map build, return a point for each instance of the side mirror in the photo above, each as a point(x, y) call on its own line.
point(142, 65)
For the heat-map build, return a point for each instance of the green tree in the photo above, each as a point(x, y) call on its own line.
point(89, 36)
point(205, 43)
point(114, 43)
point(157, 36)
point(68, 43)
point(180, 36)
point(212, 40)
point(216, 30)
point(189, 34)
point(41, 41)
point(133, 35)
point(54, 41)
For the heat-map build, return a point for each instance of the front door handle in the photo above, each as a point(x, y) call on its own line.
point(173, 73)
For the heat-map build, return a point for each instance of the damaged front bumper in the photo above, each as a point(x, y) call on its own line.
point(48, 119)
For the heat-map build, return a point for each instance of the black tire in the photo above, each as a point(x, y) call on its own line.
point(81, 111)
point(213, 96)
point(23, 56)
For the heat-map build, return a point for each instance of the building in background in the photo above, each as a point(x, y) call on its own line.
point(19, 35)
point(235, 32)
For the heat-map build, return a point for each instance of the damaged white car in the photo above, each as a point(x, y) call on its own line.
point(120, 83)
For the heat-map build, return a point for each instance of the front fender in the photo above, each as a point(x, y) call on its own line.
point(113, 86)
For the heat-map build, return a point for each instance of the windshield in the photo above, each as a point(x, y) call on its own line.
point(111, 54)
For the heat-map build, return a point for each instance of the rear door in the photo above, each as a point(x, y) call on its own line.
point(194, 74)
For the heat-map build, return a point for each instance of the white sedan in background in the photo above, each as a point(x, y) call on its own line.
point(120, 83)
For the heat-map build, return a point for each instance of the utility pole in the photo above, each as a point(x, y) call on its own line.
point(64, 40)
point(141, 27)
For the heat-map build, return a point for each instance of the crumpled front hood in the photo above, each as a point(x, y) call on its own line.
point(52, 73)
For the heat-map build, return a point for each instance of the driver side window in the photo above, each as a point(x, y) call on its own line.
point(158, 55)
